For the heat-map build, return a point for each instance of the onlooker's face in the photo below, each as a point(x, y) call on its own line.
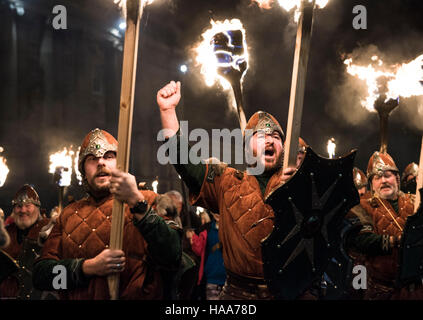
point(98, 172)
point(25, 215)
point(386, 185)
point(270, 147)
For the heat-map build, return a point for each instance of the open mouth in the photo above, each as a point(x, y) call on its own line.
point(269, 152)
point(102, 174)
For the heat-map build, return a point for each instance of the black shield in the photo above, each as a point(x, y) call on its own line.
point(411, 249)
point(309, 213)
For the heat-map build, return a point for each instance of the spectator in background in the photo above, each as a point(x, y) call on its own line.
point(207, 245)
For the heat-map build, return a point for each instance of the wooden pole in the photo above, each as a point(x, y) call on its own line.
point(299, 73)
point(236, 87)
point(130, 53)
point(419, 180)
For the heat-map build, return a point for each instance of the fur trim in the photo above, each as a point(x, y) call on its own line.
point(216, 165)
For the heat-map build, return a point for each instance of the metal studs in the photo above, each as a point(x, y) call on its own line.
point(280, 271)
point(80, 246)
point(278, 246)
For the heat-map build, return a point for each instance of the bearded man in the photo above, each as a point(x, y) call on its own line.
point(23, 249)
point(239, 197)
point(383, 213)
point(80, 240)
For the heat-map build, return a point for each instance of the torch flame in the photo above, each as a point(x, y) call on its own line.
point(289, 5)
point(402, 80)
point(63, 160)
point(198, 210)
point(76, 168)
point(331, 148)
point(155, 184)
point(4, 170)
point(206, 56)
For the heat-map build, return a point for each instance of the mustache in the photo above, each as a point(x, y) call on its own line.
point(385, 186)
point(103, 171)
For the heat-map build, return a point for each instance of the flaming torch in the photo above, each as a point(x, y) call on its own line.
point(304, 12)
point(385, 85)
point(155, 185)
point(61, 168)
point(223, 58)
point(132, 10)
point(4, 170)
point(331, 148)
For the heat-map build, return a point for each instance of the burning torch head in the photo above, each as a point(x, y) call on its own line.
point(97, 142)
point(228, 46)
point(26, 194)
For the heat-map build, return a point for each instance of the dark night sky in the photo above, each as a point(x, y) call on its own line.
point(169, 30)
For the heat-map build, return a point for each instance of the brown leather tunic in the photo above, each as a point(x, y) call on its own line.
point(83, 231)
point(385, 268)
point(245, 219)
point(16, 285)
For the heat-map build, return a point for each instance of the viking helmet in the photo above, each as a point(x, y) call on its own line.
point(360, 179)
point(379, 163)
point(97, 142)
point(411, 169)
point(26, 194)
point(264, 121)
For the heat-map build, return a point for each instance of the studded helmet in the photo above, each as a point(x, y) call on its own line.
point(379, 163)
point(411, 169)
point(97, 142)
point(26, 194)
point(263, 121)
point(360, 179)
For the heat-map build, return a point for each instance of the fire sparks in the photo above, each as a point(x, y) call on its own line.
point(331, 148)
point(289, 5)
point(4, 170)
point(61, 165)
point(215, 62)
point(393, 81)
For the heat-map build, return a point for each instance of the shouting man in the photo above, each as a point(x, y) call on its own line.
point(239, 197)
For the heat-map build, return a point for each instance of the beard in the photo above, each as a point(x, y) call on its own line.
point(392, 195)
point(26, 223)
point(95, 189)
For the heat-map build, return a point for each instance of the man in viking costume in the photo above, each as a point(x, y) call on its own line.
point(360, 181)
point(239, 197)
point(408, 178)
point(18, 256)
point(382, 213)
point(80, 239)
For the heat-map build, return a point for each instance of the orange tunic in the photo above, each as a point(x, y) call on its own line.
point(83, 231)
point(385, 268)
point(245, 220)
